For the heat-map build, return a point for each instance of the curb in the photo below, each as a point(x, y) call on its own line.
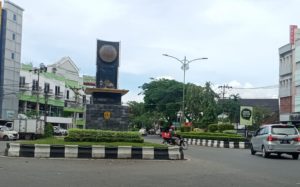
point(218, 143)
point(93, 152)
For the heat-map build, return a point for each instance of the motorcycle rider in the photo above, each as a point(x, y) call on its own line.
point(173, 136)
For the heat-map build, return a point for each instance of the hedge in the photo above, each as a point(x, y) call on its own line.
point(185, 129)
point(223, 127)
point(212, 127)
point(220, 127)
point(90, 135)
point(230, 132)
point(208, 134)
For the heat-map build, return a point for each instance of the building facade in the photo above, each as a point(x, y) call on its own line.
point(59, 92)
point(10, 58)
point(289, 78)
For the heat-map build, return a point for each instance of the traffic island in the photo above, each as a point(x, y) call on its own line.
point(218, 143)
point(93, 152)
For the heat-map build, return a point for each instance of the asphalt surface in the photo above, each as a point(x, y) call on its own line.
point(205, 166)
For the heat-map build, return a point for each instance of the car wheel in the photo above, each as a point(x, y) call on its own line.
point(278, 155)
point(184, 145)
point(295, 156)
point(252, 150)
point(5, 138)
point(265, 154)
point(27, 137)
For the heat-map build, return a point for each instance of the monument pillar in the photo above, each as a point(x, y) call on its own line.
point(106, 111)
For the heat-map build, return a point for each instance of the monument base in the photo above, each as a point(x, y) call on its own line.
point(106, 111)
point(116, 117)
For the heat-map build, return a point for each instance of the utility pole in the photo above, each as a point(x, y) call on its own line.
point(76, 92)
point(223, 92)
point(37, 71)
point(46, 96)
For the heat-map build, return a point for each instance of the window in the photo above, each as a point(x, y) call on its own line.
point(34, 85)
point(263, 131)
point(47, 88)
point(57, 90)
point(22, 82)
point(297, 90)
point(84, 99)
point(13, 36)
point(68, 92)
point(284, 130)
point(15, 17)
point(13, 56)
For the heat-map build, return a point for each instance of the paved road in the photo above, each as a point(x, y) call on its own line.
point(205, 167)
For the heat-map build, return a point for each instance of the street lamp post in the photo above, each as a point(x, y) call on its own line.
point(185, 66)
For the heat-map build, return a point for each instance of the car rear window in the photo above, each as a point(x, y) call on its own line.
point(284, 130)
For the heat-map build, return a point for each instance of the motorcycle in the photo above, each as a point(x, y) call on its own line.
point(178, 141)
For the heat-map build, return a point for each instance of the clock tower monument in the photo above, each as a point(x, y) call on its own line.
point(105, 111)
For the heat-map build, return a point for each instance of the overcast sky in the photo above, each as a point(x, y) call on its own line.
point(240, 38)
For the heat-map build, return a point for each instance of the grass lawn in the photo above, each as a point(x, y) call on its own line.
point(60, 141)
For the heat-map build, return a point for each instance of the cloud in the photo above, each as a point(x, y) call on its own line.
point(164, 77)
point(133, 96)
point(247, 90)
point(240, 37)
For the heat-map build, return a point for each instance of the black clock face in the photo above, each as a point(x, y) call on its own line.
point(108, 53)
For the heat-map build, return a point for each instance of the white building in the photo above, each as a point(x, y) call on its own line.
point(289, 78)
point(61, 93)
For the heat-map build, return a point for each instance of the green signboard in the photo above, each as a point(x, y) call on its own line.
point(246, 115)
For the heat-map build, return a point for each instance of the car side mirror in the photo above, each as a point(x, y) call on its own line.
point(255, 133)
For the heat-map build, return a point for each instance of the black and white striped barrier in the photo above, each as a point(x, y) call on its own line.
point(217, 143)
point(95, 152)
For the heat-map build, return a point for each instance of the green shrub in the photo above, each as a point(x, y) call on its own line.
point(212, 127)
point(223, 127)
point(198, 130)
point(229, 131)
point(200, 125)
point(185, 129)
point(90, 135)
point(207, 134)
point(48, 130)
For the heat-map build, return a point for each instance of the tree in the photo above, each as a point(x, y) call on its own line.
point(230, 106)
point(163, 96)
point(259, 115)
point(209, 105)
point(139, 117)
point(194, 97)
point(136, 108)
point(201, 104)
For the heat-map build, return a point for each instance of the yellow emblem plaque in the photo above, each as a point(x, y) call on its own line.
point(106, 115)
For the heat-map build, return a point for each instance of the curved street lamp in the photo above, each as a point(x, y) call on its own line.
point(184, 67)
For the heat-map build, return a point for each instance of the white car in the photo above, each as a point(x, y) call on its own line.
point(143, 132)
point(276, 139)
point(7, 134)
point(60, 131)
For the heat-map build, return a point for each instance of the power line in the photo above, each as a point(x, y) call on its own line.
point(263, 87)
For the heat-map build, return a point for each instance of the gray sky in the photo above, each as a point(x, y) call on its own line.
point(240, 37)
